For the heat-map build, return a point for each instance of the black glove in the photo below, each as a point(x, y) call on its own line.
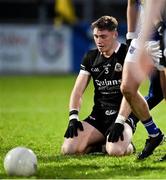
point(115, 132)
point(72, 128)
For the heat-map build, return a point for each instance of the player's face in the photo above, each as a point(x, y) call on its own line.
point(104, 39)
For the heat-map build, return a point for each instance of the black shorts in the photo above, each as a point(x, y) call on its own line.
point(102, 119)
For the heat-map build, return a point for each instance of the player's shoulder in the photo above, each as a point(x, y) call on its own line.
point(122, 49)
point(121, 53)
point(90, 56)
point(123, 46)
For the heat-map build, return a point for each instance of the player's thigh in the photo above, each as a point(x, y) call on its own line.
point(89, 136)
point(129, 82)
point(120, 147)
point(92, 135)
point(135, 69)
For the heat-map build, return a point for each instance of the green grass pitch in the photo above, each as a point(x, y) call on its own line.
point(34, 114)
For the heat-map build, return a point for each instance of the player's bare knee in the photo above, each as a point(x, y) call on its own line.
point(68, 149)
point(65, 150)
point(81, 150)
point(130, 149)
point(127, 91)
point(115, 151)
point(72, 148)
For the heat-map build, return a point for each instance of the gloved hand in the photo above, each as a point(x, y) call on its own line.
point(164, 52)
point(115, 132)
point(72, 128)
point(153, 49)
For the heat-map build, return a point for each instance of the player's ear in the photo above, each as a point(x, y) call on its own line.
point(115, 34)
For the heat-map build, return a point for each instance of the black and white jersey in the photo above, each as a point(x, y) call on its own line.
point(107, 75)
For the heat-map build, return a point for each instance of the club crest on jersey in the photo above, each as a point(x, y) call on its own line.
point(118, 67)
point(132, 49)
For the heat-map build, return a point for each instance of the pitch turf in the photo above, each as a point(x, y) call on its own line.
point(34, 114)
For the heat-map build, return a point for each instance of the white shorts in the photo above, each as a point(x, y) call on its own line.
point(133, 52)
point(133, 49)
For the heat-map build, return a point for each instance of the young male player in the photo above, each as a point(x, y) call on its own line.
point(104, 66)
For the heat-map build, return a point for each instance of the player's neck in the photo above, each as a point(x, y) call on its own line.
point(112, 50)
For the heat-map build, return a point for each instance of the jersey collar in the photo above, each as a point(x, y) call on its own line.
point(116, 50)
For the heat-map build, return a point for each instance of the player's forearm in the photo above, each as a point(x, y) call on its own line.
point(75, 101)
point(81, 83)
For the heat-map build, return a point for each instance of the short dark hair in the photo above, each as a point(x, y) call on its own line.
point(105, 23)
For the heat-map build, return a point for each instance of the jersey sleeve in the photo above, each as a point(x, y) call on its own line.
point(87, 62)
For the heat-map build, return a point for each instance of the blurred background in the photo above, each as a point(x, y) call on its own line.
point(51, 36)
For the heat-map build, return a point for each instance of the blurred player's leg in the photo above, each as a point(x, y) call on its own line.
point(155, 95)
point(129, 88)
point(140, 108)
